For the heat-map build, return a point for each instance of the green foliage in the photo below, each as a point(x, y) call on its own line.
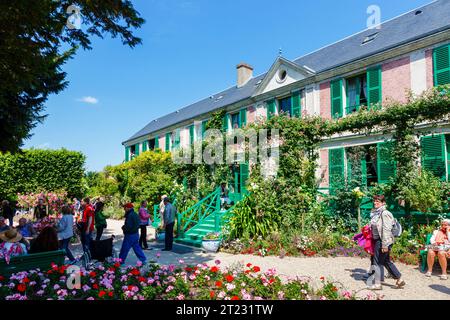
point(41, 170)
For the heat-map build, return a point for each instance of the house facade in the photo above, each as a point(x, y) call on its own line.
point(405, 55)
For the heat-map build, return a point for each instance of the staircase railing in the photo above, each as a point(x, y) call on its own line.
point(198, 212)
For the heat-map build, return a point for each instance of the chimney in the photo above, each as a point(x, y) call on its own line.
point(244, 73)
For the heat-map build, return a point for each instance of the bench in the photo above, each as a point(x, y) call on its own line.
point(42, 261)
point(424, 253)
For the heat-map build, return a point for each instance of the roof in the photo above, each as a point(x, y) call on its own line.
point(392, 33)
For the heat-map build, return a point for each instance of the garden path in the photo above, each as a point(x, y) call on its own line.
point(347, 271)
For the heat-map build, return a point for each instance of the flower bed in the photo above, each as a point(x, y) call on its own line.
point(201, 282)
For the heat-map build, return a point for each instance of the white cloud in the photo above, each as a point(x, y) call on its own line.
point(88, 99)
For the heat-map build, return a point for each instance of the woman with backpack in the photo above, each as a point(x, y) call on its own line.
point(383, 227)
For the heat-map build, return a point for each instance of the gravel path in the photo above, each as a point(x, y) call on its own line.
point(346, 271)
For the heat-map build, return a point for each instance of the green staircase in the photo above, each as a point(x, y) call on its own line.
point(206, 216)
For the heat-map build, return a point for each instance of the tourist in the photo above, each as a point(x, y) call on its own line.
point(76, 205)
point(144, 217)
point(3, 225)
point(26, 229)
point(168, 222)
point(224, 199)
point(131, 235)
point(11, 245)
point(439, 245)
point(100, 220)
point(65, 232)
point(7, 212)
point(382, 223)
point(87, 224)
point(40, 211)
point(161, 210)
point(46, 241)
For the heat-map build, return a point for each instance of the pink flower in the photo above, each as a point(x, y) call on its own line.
point(217, 262)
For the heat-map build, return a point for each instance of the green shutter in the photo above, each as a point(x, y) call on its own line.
point(374, 86)
point(336, 99)
point(447, 140)
point(433, 155)
point(243, 118)
point(244, 173)
point(296, 105)
point(336, 168)
point(226, 120)
point(191, 134)
point(168, 141)
point(136, 149)
point(385, 163)
point(127, 154)
point(204, 123)
point(441, 63)
point(144, 146)
point(156, 142)
point(271, 106)
point(176, 143)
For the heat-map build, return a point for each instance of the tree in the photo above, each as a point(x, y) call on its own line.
point(32, 38)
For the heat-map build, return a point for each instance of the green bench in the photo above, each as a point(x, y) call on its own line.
point(42, 261)
point(424, 253)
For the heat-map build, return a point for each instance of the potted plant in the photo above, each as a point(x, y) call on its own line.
point(160, 233)
point(211, 242)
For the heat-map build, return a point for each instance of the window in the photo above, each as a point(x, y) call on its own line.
point(235, 121)
point(285, 105)
point(132, 151)
point(151, 144)
point(356, 93)
point(281, 75)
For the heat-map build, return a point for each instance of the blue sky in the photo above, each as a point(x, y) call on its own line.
point(190, 51)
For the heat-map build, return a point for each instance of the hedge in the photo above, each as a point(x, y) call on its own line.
point(41, 170)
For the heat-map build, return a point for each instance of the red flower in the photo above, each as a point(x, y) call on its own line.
point(335, 289)
point(110, 293)
point(135, 272)
point(211, 294)
point(117, 264)
point(249, 265)
point(219, 284)
point(95, 286)
point(112, 269)
point(195, 268)
point(141, 279)
point(229, 278)
point(188, 269)
point(272, 280)
point(92, 274)
point(101, 293)
point(235, 298)
point(248, 271)
point(130, 287)
point(214, 269)
point(25, 280)
point(322, 278)
point(21, 287)
point(256, 269)
point(2, 278)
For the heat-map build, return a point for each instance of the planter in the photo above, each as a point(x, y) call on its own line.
point(211, 245)
point(160, 236)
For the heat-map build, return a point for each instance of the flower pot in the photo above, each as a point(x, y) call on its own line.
point(160, 236)
point(211, 245)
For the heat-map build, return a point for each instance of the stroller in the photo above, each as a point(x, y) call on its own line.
point(99, 251)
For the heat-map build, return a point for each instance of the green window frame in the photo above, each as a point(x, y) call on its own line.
point(127, 154)
point(336, 99)
point(296, 106)
point(271, 108)
point(136, 150)
point(226, 121)
point(156, 142)
point(441, 65)
point(168, 141)
point(144, 146)
point(176, 140)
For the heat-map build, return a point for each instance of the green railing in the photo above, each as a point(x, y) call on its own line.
point(198, 212)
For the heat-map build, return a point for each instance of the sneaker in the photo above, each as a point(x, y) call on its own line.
point(375, 287)
point(428, 274)
point(443, 277)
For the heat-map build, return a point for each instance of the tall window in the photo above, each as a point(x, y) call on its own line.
point(235, 121)
point(285, 105)
point(356, 93)
point(151, 144)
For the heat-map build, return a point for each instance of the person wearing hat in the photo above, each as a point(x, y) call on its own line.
point(11, 245)
point(131, 235)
